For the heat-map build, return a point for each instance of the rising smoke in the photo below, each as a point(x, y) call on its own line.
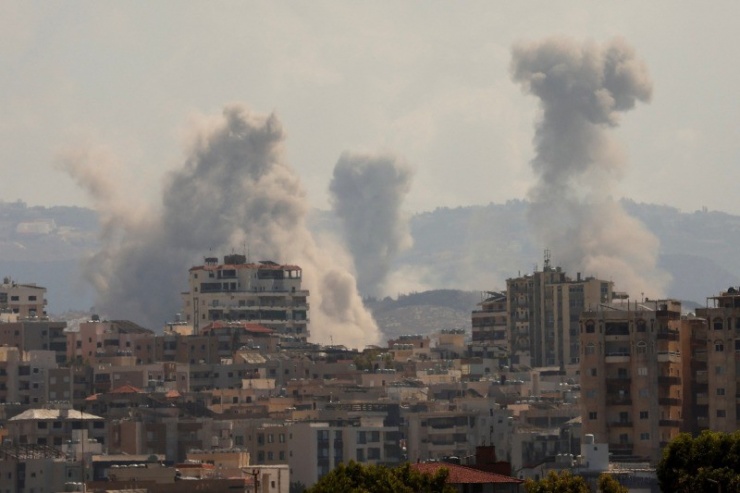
point(234, 189)
point(582, 88)
point(367, 192)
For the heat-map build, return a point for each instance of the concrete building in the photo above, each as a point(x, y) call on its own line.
point(543, 312)
point(318, 447)
point(24, 300)
point(631, 384)
point(490, 322)
point(722, 374)
point(36, 335)
point(265, 293)
point(54, 426)
point(97, 340)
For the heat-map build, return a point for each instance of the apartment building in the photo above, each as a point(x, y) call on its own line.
point(265, 293)
point(631, 383)
point(24, 300)
point(721, 348)
point(318, 447)
point(543, 312)
point(490, 321)
point(43, 426)
point(36, 335)
point(97, 340)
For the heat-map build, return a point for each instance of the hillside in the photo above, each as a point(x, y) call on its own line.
point(471, 249)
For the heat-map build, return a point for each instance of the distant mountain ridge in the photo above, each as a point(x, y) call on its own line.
point(471, 249)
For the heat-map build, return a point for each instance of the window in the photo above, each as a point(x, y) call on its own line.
point(270, 438)
point(719, 370)
point(644, 436)
point(721, 391)
point(591, 393)
point(593, 372)
point(641, 325)
point(642, 347)
point(719, 346)
point(590, 348)
point(643, 415)
point(642, 371)
point(721, 413)
point(717, 324)
point(592, 415)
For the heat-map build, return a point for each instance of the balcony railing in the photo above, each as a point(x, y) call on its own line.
point(670, 401)
point(668, 380)
point(669, 422)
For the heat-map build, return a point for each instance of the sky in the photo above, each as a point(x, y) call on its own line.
point(429, 82)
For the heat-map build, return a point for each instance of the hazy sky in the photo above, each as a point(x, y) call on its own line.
point(428, 81)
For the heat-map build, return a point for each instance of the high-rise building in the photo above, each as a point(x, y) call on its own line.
point(721, 396)
point(631, 383)
point(543, 312)
point(266, 293)
point(490, 321)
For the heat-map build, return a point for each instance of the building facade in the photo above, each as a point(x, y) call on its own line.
point(264, 293)
point(720, 380)
point(543, 314)
point(631, 382)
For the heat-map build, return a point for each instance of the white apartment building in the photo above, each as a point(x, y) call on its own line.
point(265, 293)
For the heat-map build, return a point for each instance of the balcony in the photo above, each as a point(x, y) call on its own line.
point(621, 424)
point(617, 357)
point(673, 423)
point(669, 357)
point(667, 335)
point(618, 401)
point(670, 401)
point(701, 376)
point(668, 380)
point(702, 399)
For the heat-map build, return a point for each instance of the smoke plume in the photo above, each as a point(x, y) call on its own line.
point(582, 89)
point(234, 189)
point(367, 193)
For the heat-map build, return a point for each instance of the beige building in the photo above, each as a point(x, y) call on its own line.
point(265, 293)
point(24, 300)
point(543, 312)
point(631, 383)
point(721, 349)
point(490, 321)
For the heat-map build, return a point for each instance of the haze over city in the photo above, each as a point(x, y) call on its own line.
point(191, 130)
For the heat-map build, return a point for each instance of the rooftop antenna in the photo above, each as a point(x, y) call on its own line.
point(547, 259)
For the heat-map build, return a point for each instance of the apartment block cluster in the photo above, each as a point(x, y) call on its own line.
point(557, 372)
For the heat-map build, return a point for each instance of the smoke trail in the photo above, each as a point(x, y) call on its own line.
point(234, 188)
point(582, 89)
point(367, 192)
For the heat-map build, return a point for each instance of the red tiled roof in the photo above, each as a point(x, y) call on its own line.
point(172, 394)
point(126, 389)
point(465, 475)
point(247, 326)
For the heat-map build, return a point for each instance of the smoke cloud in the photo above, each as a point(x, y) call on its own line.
point(582, 89)
point(234, 189)
point(367, 192)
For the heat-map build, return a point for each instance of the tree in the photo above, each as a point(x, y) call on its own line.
point(607, 484)
point(708, 462)
point(563, 482)
point(358, 478)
